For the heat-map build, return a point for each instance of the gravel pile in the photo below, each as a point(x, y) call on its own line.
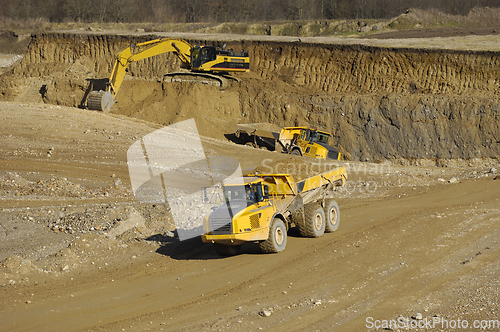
point(12, 184)
point(98, 218)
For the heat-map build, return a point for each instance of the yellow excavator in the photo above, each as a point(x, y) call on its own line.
point(201, 60)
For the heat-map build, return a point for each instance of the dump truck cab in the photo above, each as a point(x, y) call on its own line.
point(244, 214)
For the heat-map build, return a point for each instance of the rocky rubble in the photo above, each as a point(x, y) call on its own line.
point(13, 184)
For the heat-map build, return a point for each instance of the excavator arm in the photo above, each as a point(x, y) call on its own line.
point(143, 51)
point(103, 100)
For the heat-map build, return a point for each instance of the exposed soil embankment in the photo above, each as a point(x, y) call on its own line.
point(359, 69)
point(383, 103)
point(329, 68)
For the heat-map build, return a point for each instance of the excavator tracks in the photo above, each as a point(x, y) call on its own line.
point(203, 78)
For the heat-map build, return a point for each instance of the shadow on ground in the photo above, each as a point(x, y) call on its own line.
point(196, 249)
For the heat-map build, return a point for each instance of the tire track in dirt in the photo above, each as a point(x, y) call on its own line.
point(3, 232)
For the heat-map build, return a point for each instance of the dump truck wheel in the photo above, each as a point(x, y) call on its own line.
point(225, 250)
point(276, 241)
point(295, 152)
point(332, 213)
point(314, 221)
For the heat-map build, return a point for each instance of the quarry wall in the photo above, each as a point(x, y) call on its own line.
point(383, 103)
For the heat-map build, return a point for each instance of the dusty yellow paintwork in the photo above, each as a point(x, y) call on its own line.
point(243, 230)
point(253, 223)
point(250, 224)
point(308, 148)
point(180, 47)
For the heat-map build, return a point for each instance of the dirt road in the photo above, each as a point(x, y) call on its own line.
point(413, 239)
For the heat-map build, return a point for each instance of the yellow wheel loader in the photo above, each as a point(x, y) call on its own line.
point(300, 141)
point(201, 60)
point(262, 208)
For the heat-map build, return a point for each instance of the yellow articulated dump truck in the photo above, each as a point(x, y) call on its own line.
point(299, 141)
point(263, 207)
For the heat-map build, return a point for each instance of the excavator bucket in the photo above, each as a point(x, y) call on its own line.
point(100, 101)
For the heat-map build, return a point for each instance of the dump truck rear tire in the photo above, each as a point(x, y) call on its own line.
point(314, 221)
point(276, 241)
point(225, 250)
point(295, 152)
point(332, 214)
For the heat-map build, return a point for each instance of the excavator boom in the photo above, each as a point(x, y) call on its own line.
point(143, 51)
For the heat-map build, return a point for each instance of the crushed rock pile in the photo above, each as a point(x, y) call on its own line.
point(13, 184)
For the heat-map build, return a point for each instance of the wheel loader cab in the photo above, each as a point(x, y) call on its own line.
point(319, 137)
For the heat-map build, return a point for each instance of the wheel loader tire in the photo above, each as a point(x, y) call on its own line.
point(332, 214)
point(276, 241)
point(225, 250)
point(295, 152)
point(314, 221)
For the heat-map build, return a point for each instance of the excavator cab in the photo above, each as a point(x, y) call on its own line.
point(202, 55)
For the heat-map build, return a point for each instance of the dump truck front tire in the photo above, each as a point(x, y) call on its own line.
point(314, 221)
point(225, 250)
point(276, 241)
point(332, 214)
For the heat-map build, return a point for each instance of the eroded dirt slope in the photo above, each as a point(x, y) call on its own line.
point(329, 68)
point(384, 103)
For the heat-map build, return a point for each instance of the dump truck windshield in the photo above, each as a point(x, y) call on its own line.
point(250, 194)
point(314, 136)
